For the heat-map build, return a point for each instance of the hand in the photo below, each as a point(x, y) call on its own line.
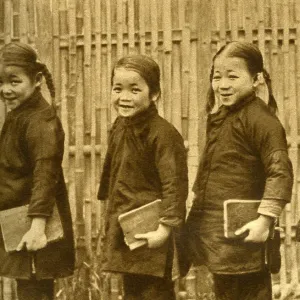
point(258, 230)
point(156, 238)
point(35, 238)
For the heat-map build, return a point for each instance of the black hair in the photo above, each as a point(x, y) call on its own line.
point(145, 66)
point(254, 61)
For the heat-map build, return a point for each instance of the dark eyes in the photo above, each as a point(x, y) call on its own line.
point(133, 90)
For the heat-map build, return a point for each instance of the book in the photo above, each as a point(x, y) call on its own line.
point(15, 223)
point(237, 213)
point(140, 220)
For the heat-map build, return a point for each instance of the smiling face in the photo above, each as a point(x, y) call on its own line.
point(15, 86)
point(130, 92)
point(232, 80)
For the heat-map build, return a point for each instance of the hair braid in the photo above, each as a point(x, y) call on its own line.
point(49, 82)
point(272, 102)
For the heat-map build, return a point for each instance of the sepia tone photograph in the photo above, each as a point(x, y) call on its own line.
point(149, 149)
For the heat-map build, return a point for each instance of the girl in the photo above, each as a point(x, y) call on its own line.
point(245, 157)
point(31, 151)
point(145, 161)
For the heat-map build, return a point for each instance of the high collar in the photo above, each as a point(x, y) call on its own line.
point(140, 118)
point(30, 102)
point(224, 110)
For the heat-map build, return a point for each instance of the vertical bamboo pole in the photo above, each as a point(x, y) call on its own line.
point(7, 289)
point(119, 29)
point(222, 24)
point(89, 120)
point(234, 20)
point(142, 39)
point(112, 115)
point(23, 21)
point(261, 26)
point(154, 29)
point(32, 22)
point(185, 58)
point(286, 67)
point(176, 89)
point(248, 21)
point(131, 29)
point(7, 21)
point(293, 153)
point(97, 101)
point(296, 182)
point(167, 70)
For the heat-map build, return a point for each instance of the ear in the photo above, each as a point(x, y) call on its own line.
point(38, 79)
point(155, 96)
point(258, 79)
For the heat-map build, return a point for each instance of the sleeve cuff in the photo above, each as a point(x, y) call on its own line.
point(271, 207)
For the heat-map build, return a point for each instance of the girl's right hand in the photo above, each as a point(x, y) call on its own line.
point(258, 230)
point(35, 238)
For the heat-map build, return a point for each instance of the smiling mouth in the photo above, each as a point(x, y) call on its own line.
point(125, 106)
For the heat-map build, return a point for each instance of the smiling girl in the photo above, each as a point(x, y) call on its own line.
point(145, 161)
point(31, 151)
point(245, 157)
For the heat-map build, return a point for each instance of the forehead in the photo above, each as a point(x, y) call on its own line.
point(125, 75)
point(227, 63)
point(11, 70)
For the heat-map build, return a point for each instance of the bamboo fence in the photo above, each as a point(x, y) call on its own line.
point(80, 40)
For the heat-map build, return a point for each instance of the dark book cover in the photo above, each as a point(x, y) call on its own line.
point(237, 213)
point(140, 220)
point(15, 223)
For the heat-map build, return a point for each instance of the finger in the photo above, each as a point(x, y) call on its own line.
point(141, 236)
point(21, 245)
point(241, 230)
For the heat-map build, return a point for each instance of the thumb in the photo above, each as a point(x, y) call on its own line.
point(141, 236)
point(21, 245)
point(241, 230)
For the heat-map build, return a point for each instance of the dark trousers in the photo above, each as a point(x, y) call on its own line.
point(142, 287)
point(35, 289)
point(252, 286)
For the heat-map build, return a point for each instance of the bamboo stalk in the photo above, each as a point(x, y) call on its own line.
point(23, 21)
point(131, 29)
point(97, 100)
point(248, 20)
point(142, 26)
point(185, 76)
point(119, 29)
point(154, 29)
point(32, 23)
point(111, 111)
point(7, 21)
point(176, 89)
point(88, 119)
point(234, 20)
point(167, 70)
point(261, 27)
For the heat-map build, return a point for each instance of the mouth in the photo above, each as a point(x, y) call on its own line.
point(226, 95)
point(125, 106)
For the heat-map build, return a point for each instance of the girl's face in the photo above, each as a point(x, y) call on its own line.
point(15, 86)
point(130, 93)
point(231, 80)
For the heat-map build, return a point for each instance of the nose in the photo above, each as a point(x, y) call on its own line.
point(224, 83)
point(6, 89)
point(125, 96)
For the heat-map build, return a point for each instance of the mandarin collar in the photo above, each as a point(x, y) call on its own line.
point(30, 102)
point(140, 118)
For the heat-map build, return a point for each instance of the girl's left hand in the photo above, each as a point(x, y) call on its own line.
point(155, 238)
point(35, 238)
point(258, 230)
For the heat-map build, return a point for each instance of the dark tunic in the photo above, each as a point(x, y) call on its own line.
point(245, 158)
point(31, 152)
point(146, 160)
